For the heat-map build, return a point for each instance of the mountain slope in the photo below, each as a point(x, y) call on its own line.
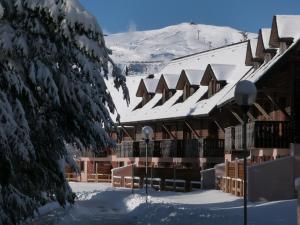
point(139, 49)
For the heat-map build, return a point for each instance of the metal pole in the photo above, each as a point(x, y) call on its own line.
point(147, 141)
point(245, 163)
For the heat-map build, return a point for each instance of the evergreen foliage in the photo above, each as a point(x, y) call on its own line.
point(53, 61)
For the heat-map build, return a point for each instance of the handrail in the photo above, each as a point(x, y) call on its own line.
point(260, 134)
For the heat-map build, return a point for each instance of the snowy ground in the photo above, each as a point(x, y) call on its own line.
point(100, 204)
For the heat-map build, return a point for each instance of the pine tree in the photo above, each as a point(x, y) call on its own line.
point(53, 61)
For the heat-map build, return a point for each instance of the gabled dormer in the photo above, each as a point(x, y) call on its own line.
point(284, 29)
point(251, 59)
point(189, 82)
point(263, 50)
point(167, 86)
point(146, 90)
point(216, 76)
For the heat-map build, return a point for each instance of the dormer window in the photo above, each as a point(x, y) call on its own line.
point(256, 65)
point(214, 86)
point(285, 28)
point(146, 90)
point(216, 76)
point(268, 57)
point(282, 47)
point(189, 82)
point(166, 86)
point(165, 96)
point(250, 54)
point(264, 52)
point(186, 92)
point(146, 98)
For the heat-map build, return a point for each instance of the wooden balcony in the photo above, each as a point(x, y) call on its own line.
point(192, 148)
point(260, 134)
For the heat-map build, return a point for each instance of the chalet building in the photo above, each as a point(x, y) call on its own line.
point(190, 104)
point(192, 111)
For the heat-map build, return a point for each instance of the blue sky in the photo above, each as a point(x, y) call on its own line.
point(121, 15)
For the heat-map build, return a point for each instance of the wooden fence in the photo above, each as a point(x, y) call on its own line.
point(176, 179)
point(72, 177)
point(99, 177)
point(233, 179)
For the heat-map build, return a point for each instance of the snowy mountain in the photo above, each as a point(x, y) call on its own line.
point(148, 51)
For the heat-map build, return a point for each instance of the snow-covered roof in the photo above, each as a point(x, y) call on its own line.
point(132, 83)
point(194, 76)
point(171, 80)
point(255, 75)
point(284, 27)
point(194, 105)
point(150, 84)
point(265, 34)
point(251, 51)
point(288, 26)
point(253, 44)
point(221, 72)
point(168, 81)
point(263, 43)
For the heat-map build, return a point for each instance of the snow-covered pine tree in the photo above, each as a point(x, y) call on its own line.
point(52, 91)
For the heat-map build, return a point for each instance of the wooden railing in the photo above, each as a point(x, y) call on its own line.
point(177, 179)
point(231, 185)
point(191, 148)
point(72, 177)
point(269, 134)
point(260, 134)
point(211, 147)
point(98, 177)
point(233, 179)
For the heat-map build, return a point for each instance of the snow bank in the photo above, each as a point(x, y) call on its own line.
point(199, 207)
point(119, 206)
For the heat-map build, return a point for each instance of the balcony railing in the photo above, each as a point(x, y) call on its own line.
point(260, 134)
point(192, 148)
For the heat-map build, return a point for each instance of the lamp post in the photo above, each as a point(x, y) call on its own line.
point(147, 133)
point(245, 96)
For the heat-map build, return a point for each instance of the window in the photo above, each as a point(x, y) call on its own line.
point(211, 88)
point(215, 86)
point(166, 95)
point(82, 166)
point(186, 91)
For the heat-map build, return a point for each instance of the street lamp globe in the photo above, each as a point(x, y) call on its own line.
point(245, 93)
point(147, 132)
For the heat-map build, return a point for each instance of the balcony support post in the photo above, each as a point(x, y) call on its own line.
point(262, 111)
point(169, 132)
point(237, 116)
point(191, 128)
point(274, 102)
point(126, 132)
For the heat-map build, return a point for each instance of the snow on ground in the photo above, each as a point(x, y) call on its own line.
point(102, 204)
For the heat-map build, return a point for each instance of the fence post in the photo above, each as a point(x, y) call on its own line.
point(132, 180)
point(226, 175)
point(236, 175)
point(151, 172)
point(297, 187)
point(162, 184)
point(112, 177)
point(174, 177)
